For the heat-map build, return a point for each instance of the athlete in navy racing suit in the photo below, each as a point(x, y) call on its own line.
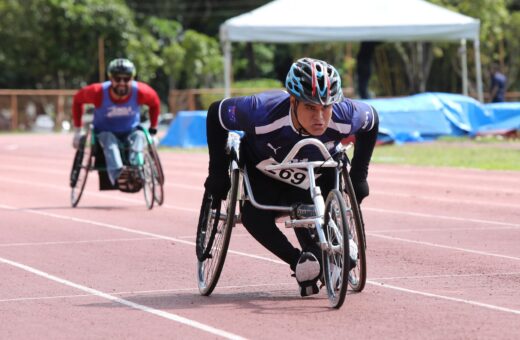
point(273, 123)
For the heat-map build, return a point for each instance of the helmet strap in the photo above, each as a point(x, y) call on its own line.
point(301, 129)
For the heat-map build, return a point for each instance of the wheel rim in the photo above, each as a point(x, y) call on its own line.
point(81, 180)
point(209, 270)
point(334, 265)
point(148, 185)
point(158, 187)
point(357, 275)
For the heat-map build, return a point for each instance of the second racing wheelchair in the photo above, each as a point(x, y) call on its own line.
point(147, 175)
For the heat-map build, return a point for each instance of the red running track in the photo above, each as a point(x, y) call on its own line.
point(443, 258)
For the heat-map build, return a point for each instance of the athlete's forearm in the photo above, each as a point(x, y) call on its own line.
point(364, 147)
point(217, 138)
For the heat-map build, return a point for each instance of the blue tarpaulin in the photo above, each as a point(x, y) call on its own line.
point(428, 116)
point(188, 129)
point(414, 118)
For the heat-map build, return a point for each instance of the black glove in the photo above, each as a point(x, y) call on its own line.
point(218, 185)
point(152, 131)
point(359, 182)
point(360, 189)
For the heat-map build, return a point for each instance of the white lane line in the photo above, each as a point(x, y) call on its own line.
point(452, 173)
point(113, 196)
point(134, 231)
point(98, 224)
point(443, 297)
point(174, 207)
point(30, 169)
point(445, 276)
point(91, 291)
point(436, 245)
point(230, 251)
point(11, 147)
point(149, 292)
point(184, 186)
point(440, 184)
point(441, 230)
point(457, 201)
point(235, 235)
point(23, 244)
point(66, 173)
point(443, 217)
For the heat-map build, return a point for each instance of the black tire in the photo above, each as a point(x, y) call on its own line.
point(158, 176)
point(147, 171)
point(358, 274)
point(216, 221)
point(335, 258)
point(80, 168)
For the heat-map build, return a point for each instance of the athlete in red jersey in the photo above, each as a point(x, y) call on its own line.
point(117, 114)
point(93, 94)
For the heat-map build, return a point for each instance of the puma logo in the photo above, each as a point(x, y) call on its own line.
point(272, 147)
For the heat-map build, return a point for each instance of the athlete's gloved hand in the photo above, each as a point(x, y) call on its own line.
point(78, 134)
point(361, 189)
point(153, 133)
point(359, 182)
point(218, 185)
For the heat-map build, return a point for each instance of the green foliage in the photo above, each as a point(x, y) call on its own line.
point(243, 88)
point(495, 26)
point(54, 44)
point(253, 60)
point(256, 84)
point(68, 31)
point(203, 63)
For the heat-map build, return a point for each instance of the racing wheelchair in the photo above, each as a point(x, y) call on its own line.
point(336, 222)
point(147, 175)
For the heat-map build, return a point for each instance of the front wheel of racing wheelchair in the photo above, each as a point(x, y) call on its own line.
point(335, 256)
point(216, 221)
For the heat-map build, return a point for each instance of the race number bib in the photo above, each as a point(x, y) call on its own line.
point(297, 177)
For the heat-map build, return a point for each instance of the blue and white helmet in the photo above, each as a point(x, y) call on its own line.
point(314, 81)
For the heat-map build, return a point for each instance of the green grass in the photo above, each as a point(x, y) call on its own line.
point(487, 154)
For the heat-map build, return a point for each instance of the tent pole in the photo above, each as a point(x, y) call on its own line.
point(464, 63)
point(227, 68)
point(478, 69)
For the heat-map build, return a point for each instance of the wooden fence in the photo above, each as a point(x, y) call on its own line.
point(56, 103)
point(20, 108)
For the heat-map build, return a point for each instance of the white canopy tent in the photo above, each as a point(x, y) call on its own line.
point(305, 21)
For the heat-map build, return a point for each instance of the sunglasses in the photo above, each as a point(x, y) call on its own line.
point(118, 79)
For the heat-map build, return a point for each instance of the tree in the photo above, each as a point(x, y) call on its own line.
point(67, 33)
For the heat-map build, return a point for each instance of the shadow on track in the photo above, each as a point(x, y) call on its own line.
point(254, 302)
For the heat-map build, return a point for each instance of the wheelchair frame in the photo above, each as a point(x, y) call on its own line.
point(85, 162)
point(335, 217)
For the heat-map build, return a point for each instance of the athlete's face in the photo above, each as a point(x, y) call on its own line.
point(121, 84)
point(312, 117)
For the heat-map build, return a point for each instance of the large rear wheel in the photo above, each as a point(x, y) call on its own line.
point(216, 221)
point(158, 176)
point(148, 180)
point(358, 273)
point(80, 168)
